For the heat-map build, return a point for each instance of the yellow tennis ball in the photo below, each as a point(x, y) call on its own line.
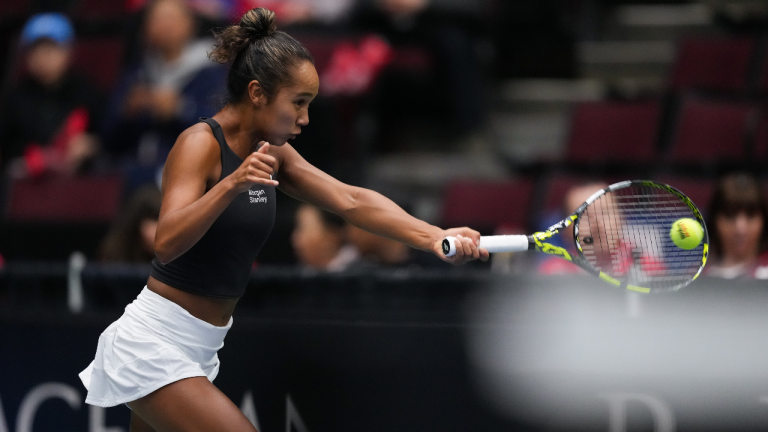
point(686, 233)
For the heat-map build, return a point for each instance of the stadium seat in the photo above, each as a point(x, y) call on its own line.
point(99, 9)
point(698, 189)
point(487, 205)
point(100, 59)
point(64, 200)
point(713, 64)
point(557, 185)
point(12, 9)
point(613, 132)
point(320, 47)
point(413, 59)
point(711, 132)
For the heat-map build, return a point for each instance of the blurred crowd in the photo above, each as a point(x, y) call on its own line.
point(112, 102)
point(58, 120)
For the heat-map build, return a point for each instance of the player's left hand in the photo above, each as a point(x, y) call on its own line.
point(466, 246)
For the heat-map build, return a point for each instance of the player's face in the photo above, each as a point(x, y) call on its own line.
point(283, 116)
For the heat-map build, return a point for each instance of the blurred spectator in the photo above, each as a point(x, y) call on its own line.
point(575, 197)
point(537, 39)
point(451, 89)
point(294, 12)
point(319, 240)
point(131, 239)
point(173, 85)
point(288, 12)
point(375, 250)
point(737, 229)
point(50, 116)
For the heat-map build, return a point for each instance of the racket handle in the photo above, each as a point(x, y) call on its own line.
point(493, 244)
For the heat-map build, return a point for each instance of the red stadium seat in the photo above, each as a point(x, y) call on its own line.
point(320, 47)
point(558, 185)
point(713, 64)
point(14, 9)
point(413, 59)
point(698, 189)
point(100, 59)
point(99, 9)
point(711, 132)
point(60, 199)
point(487, 205)
point(622, 132)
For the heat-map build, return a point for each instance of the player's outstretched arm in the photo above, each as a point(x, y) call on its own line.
point(370, 210)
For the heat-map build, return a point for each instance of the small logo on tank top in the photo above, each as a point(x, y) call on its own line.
point(257, 196)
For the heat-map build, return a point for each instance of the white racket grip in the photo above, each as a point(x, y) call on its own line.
point(493, 244)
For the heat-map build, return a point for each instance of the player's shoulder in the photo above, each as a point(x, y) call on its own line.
point(197, 138)
point(195, 147)
point(197, 134)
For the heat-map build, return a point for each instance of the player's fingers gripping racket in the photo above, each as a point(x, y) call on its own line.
point(637, 234)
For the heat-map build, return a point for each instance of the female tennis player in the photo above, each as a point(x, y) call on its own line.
point(218, 208)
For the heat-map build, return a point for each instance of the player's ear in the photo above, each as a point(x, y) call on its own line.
point(256, 93)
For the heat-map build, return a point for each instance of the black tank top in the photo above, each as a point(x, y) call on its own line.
point(220, 263)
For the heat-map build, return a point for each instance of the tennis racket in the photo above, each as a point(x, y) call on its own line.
point(621, 235)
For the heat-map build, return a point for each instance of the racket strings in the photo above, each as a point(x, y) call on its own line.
point(625, 234)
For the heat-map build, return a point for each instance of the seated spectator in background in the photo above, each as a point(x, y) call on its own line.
point(377, 251)
point(445, 36)
point(132, 238)
point(575, 197)
point(50, 117)
point(319, 240)
point(295, 12)
point(173, 85)
point(738, 234)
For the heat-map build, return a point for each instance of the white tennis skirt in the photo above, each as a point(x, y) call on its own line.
point(155, 342)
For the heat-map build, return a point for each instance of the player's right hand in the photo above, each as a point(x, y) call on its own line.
point(256, 168)
point(466, 242)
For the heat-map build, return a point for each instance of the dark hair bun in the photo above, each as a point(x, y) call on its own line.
point(255, 24)
point(257, 51)
point(258, 23)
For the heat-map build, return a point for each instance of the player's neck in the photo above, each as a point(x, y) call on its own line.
point(237, 123)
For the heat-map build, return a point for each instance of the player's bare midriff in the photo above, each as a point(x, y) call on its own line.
point(215, 311)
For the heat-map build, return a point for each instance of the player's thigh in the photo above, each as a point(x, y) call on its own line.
point(138, 424)
point(191, 405)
